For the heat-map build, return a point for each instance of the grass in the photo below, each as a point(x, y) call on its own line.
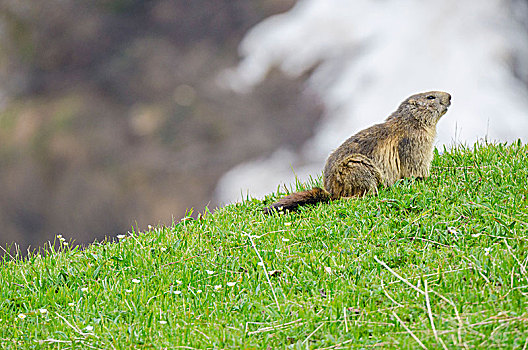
point(439, 263)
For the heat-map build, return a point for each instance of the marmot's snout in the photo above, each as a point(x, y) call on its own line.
point(448, 102)
point(443, 102)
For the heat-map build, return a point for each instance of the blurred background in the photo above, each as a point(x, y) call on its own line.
point(121, 113)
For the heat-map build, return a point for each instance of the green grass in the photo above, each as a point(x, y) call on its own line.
point(439, 263)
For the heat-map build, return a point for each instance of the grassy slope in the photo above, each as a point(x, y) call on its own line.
point(449, 251)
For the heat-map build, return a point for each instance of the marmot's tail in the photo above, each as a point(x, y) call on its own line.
point(294, 200)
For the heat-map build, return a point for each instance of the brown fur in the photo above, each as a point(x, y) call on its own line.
point(296, 199)
point(380, 155)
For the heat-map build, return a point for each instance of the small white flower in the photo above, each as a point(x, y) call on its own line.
point(149, 227)
point(135, 280)
point(71, 304)
point(287, 223)
point(43, 311)
point(59, 236)
point(260, 263)
point(65, 243)
point(218, 286)
point(198, 291)
point(209, 272)
point(84, 289)
point(128, 290)
point(89, 328)
point(452, 230)
point(163, 322)
point(231, 284)
point(21, 316)
point(163, 249)
point(177, 292)
point(121, 236)
point(487, 251)
point(178, 282)
point(285, 240)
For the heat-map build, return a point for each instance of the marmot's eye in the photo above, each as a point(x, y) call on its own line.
point(431, 97)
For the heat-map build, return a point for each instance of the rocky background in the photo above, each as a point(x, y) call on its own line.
point(111, 115)
point(362, 58)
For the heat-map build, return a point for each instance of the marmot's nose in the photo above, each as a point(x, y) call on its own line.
point(448, 99)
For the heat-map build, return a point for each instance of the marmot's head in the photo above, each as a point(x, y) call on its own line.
point(426, 108)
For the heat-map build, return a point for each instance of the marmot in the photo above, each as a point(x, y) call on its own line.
point(380, 155)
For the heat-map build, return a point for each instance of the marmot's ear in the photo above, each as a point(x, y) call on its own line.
point(412, 101)
point(418, 102)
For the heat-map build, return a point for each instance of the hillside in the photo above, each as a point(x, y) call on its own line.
point(439, 263)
